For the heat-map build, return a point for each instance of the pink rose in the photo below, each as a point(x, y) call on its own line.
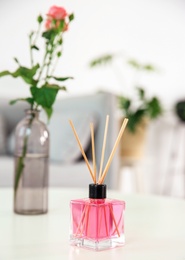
point(57, 13)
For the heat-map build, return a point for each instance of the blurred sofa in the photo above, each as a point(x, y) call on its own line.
point(67, 168)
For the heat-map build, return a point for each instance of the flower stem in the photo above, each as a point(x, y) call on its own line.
point(56, 55)
point(31, 53)
point(37, 34)
point(20, 164)
point(43, 63)
point(54, 66)
point(49, 61)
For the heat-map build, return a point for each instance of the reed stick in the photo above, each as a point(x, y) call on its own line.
point(81, 221)
point(105, 221)
point(116, 226)
point(82, 150)
point(93, 151)
point(113, 151)
point(103, 147)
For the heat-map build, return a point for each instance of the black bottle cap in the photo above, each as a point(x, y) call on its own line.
point(97, 191)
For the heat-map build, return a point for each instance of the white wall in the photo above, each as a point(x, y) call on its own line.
point(151, 31)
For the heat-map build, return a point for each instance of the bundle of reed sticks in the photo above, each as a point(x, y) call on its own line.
point(102, 173)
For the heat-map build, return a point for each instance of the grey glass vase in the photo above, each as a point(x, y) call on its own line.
point(31, 165)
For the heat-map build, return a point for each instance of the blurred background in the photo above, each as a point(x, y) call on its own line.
point(148, 31)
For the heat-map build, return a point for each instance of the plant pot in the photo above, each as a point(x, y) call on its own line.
point(31, 165)
point(133, 143)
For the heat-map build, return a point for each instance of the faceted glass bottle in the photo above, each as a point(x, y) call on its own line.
point(31, 165)
point(96, 222)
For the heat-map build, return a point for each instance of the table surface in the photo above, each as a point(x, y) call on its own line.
point(154, 229)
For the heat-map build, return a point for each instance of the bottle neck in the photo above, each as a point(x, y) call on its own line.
point(32, 113)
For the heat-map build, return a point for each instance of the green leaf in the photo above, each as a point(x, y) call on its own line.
point(134, 64)
point(154, 107)
point(101, 60)
point(35, 47)
point(5, 73)
point(61, 79)
point(16, 60)
point(29, 100)
point(44, 96)
point(71, 17)
point(54, 86)
point(149, 67)
point(12, 102)
point(49, 34)
point(49, 111)
point(124, 103)
point(141, 92)
point(60, 41)
point(39, 19)
point(59, 54)
point(135, 118)
point(25, 73)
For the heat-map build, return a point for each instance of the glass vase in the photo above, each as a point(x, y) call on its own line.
point(31, 165)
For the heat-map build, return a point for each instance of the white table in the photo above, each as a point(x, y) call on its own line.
point(155, 229)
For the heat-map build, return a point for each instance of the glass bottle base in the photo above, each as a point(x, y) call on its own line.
point(98, 245)
point(30, 212)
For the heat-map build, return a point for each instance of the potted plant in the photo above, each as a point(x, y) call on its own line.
point(138, 108)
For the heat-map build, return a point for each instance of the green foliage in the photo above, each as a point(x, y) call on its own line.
point(71, 17)
point(44, 96)
point(101, 60)
point(39, 77)
point(134, 64)
point(154, 107)
point(29, 100)
point(25, 73)
point(124, 102)
point(148, 107)
point(138, 66)
point(136, 108)
point(141, 93)
point(135, 118)
point(61, 79)
point(39, 19)
point(49, 35)
point(35, 47)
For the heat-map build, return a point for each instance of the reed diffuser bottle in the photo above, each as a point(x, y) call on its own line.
point(97, 223)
